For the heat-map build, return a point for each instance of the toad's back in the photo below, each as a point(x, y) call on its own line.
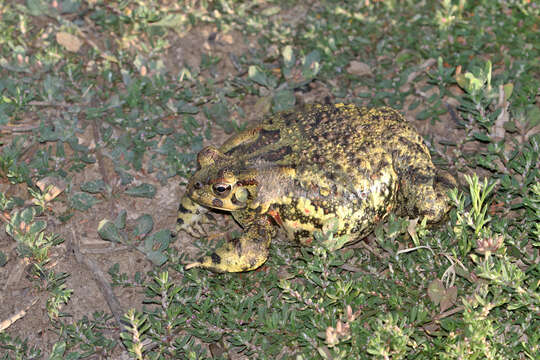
point(337, 138)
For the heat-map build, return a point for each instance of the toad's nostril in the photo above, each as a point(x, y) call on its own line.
point(197, 185)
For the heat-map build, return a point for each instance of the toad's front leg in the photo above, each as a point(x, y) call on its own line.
point(243, 254)
point(191, 217)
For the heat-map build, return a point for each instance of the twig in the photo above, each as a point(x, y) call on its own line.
point(49, 103)
point(403, 251)
point(355, 269)
point(99, 156)
point(29, 151)
point(99, 277)
point(447, 313)
point(427, 64)
point(108, 250)
point(19, 315)
point(371, 250)
point(6, 129)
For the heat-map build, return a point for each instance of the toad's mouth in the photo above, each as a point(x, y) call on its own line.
point(219, 204)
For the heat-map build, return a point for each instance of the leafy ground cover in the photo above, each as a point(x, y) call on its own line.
point(104, 105)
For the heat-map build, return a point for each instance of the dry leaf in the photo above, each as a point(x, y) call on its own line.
point(411, 228)
point(227, 39)
point(359, 68)
point(436, 291)
point(504, 116)
point(70, 42)
point(449, 298)
point(442, 296)
point(57, 186)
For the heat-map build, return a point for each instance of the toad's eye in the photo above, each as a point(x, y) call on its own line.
point(221, 190)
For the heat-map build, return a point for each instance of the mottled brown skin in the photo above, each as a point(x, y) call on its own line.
point(302, 170)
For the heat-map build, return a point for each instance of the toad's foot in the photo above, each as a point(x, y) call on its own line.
point(191, 217)
point(243, 254)
point(433, 202)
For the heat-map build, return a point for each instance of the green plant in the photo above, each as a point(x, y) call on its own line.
point(449, 14)
point(34, 244)
point(477, 218)
point(163, 324)
point(10, 166)
point(154, 246)
point(88, 336)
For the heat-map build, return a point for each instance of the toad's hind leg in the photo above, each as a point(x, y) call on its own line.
point(423, 188)
point(426, 195)
point(243, 254)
